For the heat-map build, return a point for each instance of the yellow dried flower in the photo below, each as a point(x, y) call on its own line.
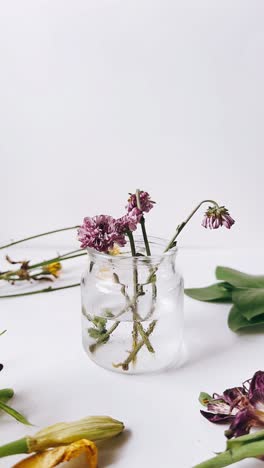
point(53, 269)
point(114, 251)
point(84, 450)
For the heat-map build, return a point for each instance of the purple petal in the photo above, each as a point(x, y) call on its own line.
point(257, 383)
point(236, 397)
point(217, 418)
point(241, 424)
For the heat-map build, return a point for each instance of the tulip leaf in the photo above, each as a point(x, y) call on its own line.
point(218, 292)
point(15, 414)
point(249, 301)
point(237, 322)
point(6, 394)
point(204, 398)
point(238, 279)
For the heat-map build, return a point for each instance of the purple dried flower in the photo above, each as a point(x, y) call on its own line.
point(100, 233)
point(129, 221)
point(146, 204)
point(242, 407)
point(217, 216)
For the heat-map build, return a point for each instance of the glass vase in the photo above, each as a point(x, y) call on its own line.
point(132, 309)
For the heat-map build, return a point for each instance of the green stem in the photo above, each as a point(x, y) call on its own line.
point(249, 450)
point(15, 447)
point(104, 337)
point(46, 290)
point(8, 276)
point(59, 258)
point(38, 235)
point(135, 282)
point(132, 355)
point(145, 237)
point(183, 224)
point(145, 338)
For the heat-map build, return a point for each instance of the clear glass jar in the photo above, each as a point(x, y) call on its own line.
point(132, 309)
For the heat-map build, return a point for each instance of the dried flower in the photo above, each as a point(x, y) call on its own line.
point(217, 216)
point(53, 269)
point(129, 221)
point(242, 407)
point(91, 428)
point(100, 233)
point(146, 204)
point(51, 458)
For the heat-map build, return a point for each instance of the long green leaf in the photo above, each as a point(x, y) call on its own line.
point(239, 279)
point(237, 322)
point(218, 292)
point(15, 414)
point(6, 394)
point(249, 301)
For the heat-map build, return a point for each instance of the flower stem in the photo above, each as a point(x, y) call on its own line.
point(46, 290)
point(183, 224)
point(135, 282)
point(15, 447)
point(38, 235)
point(132, 355)
point(145, 237)
point(249, 450)
point(104, 337)
point(8, 275)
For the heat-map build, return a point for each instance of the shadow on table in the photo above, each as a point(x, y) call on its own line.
point(110, 450)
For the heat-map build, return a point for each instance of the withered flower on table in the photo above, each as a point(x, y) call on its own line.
point(242, 407)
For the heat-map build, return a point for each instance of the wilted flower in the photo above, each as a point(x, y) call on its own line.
point(53, 269)
point(217, 216)
point(100, 233)
point(242, 407)
point(129, 221)
point(56, 456)
point(92, 428)
point(145, 202)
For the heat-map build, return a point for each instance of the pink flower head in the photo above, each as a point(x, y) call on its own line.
point(217, 216)
point(100, 233)
point(129, 221)
point(241, 407)
point(146, 204)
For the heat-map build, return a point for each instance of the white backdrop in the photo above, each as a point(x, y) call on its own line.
point(99, 97)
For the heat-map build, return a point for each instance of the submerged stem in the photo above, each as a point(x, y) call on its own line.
point(133, 353)
point(104, 337)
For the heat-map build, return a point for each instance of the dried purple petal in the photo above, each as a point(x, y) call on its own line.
point(100, 233)
point(129, 221)
point(146, 204)
point(217, 418)
point(242, 423)
point(241, 406)
point(257, 383)
point(217, 216)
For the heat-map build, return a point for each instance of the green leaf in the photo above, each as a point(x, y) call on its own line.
point(218, 292)
point(6, 394)
point(237, 322)
point(100, 323)
point(94, 333)
point(249, 301)
point(238, 279)
point(204, 398)
point(15, 414)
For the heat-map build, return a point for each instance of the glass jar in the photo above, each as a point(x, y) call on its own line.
point(132, 309)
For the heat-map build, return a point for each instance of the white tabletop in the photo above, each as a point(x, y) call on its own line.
point(55, 381)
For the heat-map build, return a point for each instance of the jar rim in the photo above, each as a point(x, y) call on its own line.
point(153, 240)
